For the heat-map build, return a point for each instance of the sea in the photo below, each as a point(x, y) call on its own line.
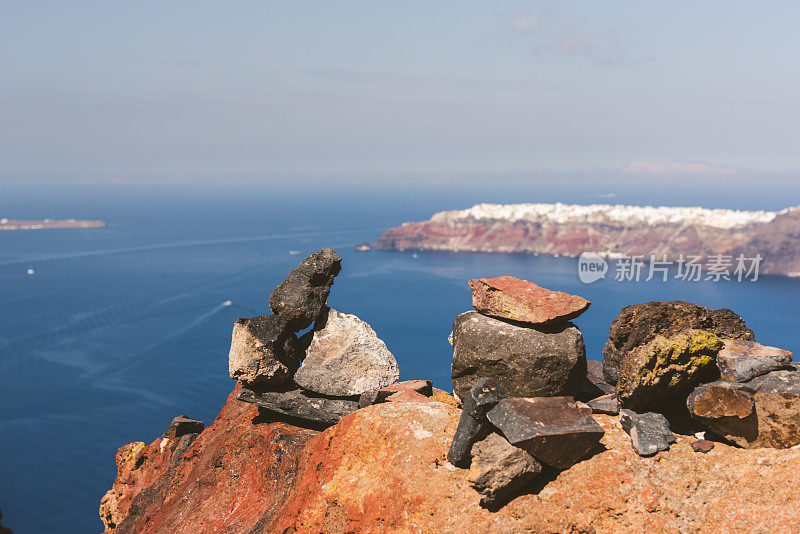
point(107, 334)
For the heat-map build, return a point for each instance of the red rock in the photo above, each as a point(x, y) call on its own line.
point(702, 445)
point(383, 469)
point(407, 395)
point(506, 297)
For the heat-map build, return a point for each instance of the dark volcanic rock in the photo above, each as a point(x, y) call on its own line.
point(665, 370)
point(606, 404)
point(472, 425)
point(764, 412)
point(182, 425)
point(595, 384)
point(702, 445)
point(295, 402)
point(506, 297)
point(639, 324)
point(345, 358)
point(740, 361)
point(523, 360)
point(499, 469)
point(649, 432)
point(264, 350)
point(302, 297)
point(555, 430)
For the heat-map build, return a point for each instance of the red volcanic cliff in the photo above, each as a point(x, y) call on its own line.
point(609, 230)
point(383, 469)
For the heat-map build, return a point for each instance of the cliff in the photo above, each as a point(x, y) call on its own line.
point(383, 469)
point(570, 230)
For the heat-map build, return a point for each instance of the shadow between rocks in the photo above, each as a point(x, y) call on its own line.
point(266, 415)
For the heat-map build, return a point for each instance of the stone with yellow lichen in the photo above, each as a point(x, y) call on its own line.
point(667, 369)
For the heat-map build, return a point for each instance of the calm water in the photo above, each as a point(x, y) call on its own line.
point(118, 330)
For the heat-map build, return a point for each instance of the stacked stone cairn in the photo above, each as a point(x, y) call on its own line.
point(336, 367)
point(667, 358)
point(518, 363)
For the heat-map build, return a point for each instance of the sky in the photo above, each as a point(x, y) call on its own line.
point(181, 90)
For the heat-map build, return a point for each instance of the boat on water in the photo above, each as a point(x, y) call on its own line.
point(362, 247)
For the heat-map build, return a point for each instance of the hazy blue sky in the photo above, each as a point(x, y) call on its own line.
point(173, 89)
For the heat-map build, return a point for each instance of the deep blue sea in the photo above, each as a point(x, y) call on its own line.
point(120, 329)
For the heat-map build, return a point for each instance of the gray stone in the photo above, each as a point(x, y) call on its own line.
point(303, 295)
point(478, 400)
point(606, 404)
point(294, 402)
point(740, 361)
point(499, 470)
point(525, 361)
point(639, 324)
point(649, 431)
point(181, 426)
point(263, 351)
point(346, 358)
point(764, 412)
point(555, 430)
point(594, 385)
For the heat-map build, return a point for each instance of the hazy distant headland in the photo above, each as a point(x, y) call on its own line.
point(45, 224)
point(610, 231)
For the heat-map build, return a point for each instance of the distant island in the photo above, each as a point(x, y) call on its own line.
point(610, 231)
point(45, 224)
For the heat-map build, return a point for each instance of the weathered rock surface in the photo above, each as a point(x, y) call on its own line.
point(649, 431)
point(702, 445)
point(667, 369)
point(639, 324)
point(303, 295)
point(182, 425)
point(524, 361)
point(507, 297)
point(555, 430)
point(606, 404)
point(472, 425)
point(292, 401)
point(499, 470)
point(595, 384)
point(264, 350)
point(740, 361)
point(383, 469)
point(423, 387)
point(407, 395)
point(345, 358)
point(764, 412)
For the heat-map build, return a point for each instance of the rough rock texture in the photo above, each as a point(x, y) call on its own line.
point(231, 478)
point(264, 350)
point(667, 369)
point(764, 412)
point(506, 297)
point(408, 395)
point(303, 295)
point(702, 445)
point(423, 387)
point(499, 470)
point(555, 430)
point(649, 431)
point(524, 361)
point(472, 425)
point(292, 401)
point(595, 384)
point(346, 357)
point(740, 361)
point(606, 404)
point(382, 469)
point(182, 425)
point(639, 324)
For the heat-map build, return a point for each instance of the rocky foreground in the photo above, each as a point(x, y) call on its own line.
point(688, 425)
point(570, 230)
